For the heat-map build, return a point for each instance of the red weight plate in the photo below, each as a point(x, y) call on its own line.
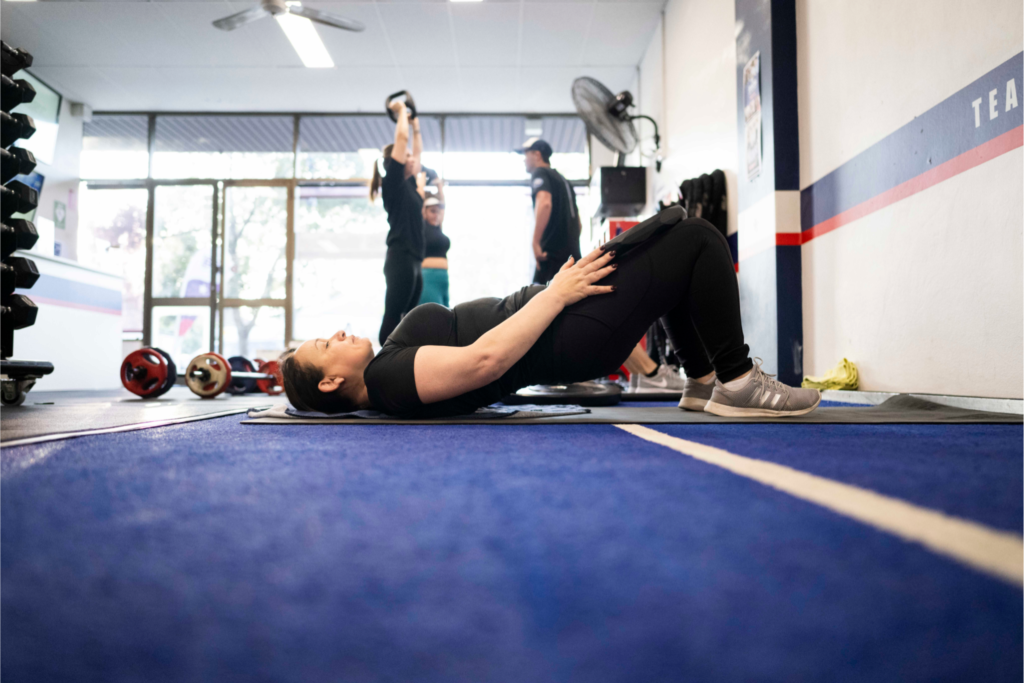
point(144, 373)
point(274, 386)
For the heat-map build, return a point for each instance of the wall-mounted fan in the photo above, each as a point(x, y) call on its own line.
point(608, 119)
point(269, 8)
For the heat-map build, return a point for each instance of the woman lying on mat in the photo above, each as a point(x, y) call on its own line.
point(440, 362)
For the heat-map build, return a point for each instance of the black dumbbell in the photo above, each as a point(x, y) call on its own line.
point(18, 273)
point(17, 234)
point(14, 92)
point(15, 126)
point(13, 60)
point(17, 197)
point(15, 161)
point(19, 312)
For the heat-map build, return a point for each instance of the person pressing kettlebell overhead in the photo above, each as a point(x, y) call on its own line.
point(436, 245)
point(402, 188)
point(557, 226)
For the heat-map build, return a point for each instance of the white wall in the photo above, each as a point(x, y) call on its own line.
point(924, 295)
point(688, 83)
point(81, 339)
point(61, 181)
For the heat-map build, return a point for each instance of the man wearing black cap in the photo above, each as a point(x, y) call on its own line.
point(556, 232)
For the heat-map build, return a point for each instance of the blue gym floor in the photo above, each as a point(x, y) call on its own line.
point(215, 551)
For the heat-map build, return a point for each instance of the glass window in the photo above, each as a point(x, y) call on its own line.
point(346, 147)
point(255, 236)
point(339, 262)
point(223, 147)
point(483, 147)
point(567, 136)
point(256, 332)
point(115, 147)
point(181, 242)
point(181, 331)
point(112, 237)
point(491, 229)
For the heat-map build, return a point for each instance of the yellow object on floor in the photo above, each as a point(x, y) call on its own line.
point(842, 376)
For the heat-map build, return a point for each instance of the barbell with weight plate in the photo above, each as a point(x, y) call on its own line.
point(150, 372)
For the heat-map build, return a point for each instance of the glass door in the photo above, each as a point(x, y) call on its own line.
point(254, 315)
point(180, 301)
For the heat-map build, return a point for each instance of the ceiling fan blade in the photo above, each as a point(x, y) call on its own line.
point(325, 18)
point(241, 19)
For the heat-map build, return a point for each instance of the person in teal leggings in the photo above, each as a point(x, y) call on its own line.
point(436, 245)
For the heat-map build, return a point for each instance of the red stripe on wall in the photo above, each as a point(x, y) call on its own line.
point(788, 239)
point(69, 304)
point(1006, 142)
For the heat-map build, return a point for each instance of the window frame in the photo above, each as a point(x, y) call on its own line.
point(215, 302)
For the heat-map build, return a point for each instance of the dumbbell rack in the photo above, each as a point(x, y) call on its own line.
point(17, 311)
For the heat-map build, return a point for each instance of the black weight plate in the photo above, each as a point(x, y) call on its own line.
point(241, 386)
point(581, 394)
point(172, 373)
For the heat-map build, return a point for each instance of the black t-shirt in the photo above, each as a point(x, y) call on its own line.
point(391, 384)
point(435, 242)
point(561, 237)
point(404, 207)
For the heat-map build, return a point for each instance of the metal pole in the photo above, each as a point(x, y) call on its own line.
point(213, 265)
point(147, 296)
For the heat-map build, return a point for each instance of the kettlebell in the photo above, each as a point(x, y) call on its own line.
point(410, 104)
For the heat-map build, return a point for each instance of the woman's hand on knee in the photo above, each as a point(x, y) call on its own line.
point(575, 281)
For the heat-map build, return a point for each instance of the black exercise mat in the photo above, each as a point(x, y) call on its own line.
point(652, 395)
point(59, 414)
point(896, 410)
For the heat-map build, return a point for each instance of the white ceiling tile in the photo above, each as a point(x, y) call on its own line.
point(494, 89)
point(620, 33)
point(348, 48)
point(167, 56)
point(487, 34)
point(435, 89)
point(554, 33)
point(419, 33)
point(550, 89)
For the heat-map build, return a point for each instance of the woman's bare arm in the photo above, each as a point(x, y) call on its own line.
point(400, 151)
point(417, 147)
point(443, 372)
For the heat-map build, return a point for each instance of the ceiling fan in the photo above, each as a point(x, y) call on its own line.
point(269, 8)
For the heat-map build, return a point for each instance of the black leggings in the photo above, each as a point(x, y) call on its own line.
point(683, 276)
point(404, 277)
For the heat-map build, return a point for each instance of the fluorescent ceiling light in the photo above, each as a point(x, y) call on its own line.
point(306, 41)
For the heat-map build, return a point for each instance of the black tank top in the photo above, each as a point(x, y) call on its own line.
point(435, 242)
point(404, 207)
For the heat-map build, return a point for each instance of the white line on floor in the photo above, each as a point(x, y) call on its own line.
point(994, 552)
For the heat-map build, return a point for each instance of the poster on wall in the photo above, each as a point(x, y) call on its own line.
point(752, 114)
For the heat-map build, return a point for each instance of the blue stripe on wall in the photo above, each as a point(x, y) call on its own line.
point(786, 119)
point(789, 309)
point(72, 292)
point(945, 131)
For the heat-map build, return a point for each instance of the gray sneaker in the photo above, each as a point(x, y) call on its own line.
point(696, 395)
point(665, 379)
point(762, 396)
